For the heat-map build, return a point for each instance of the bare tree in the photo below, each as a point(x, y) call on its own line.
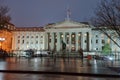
point(4, 16)
point(107, 19)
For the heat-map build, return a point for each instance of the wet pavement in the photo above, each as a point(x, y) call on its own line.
point(48, 64)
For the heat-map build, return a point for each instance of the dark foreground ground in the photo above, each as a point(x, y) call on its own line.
point(30, 69)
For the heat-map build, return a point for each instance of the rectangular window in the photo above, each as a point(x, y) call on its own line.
point(18, 41)
point(22, 41)
point(96, 48)
point(18, 48)
point(96, 35)
point(102, 47)
point(31, 36)
point(36, 42)
point(96, 41)
point(36, 36)
point(55, 40)
point(103, 41)
point(31, 42)
point(27, 42)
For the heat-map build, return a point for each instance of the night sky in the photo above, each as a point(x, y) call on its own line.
point(31, 13)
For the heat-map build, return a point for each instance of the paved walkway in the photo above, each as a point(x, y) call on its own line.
point(47, 64)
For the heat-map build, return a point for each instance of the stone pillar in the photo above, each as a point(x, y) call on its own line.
point(93, 42)
point(64, 39)
point(83, 40)
point(76, 36)
point(52, 41)
point(46, 41)
point(58, 42)
point(40, 47)
point(70, 42)
point(79, 38)
point(90, 39)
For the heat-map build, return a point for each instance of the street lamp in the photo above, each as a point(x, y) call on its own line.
point(1, 40)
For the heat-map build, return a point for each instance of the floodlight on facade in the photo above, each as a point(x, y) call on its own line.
point(1, 40)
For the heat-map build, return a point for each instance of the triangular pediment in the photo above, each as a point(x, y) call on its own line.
point(67, 24)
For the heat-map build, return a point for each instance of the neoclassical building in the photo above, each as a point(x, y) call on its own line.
point(74, 34)
point(25, 38)
point(6, 36)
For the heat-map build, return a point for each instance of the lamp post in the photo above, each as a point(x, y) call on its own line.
point(1, 40)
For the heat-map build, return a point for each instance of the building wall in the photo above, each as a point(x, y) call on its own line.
point(87, 38)
point(24, 40)
point(6, 44)
point(78, 43)
point(99, 39)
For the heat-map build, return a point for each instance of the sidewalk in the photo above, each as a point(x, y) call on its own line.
point(80, 66)
point(112, 65)
point(47, 67)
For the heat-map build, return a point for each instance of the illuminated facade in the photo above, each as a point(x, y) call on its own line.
point(6, 37)
point(25, 38)
point(75, 35)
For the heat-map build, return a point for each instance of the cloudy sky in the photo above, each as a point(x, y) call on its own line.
point(29, 13)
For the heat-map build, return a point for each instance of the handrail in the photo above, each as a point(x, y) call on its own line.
point(62, 73)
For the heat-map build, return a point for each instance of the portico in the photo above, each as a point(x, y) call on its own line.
point(75, 35)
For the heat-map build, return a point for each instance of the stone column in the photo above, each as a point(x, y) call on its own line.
point(39, 41)
point(93, 42)
point(82, 40)
point(64, 39)
point(79, 38)
point(76, 36)
point(58, 42)
point(52, 41)
point(46, 41)
point(70, 42)
point(90, 39)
